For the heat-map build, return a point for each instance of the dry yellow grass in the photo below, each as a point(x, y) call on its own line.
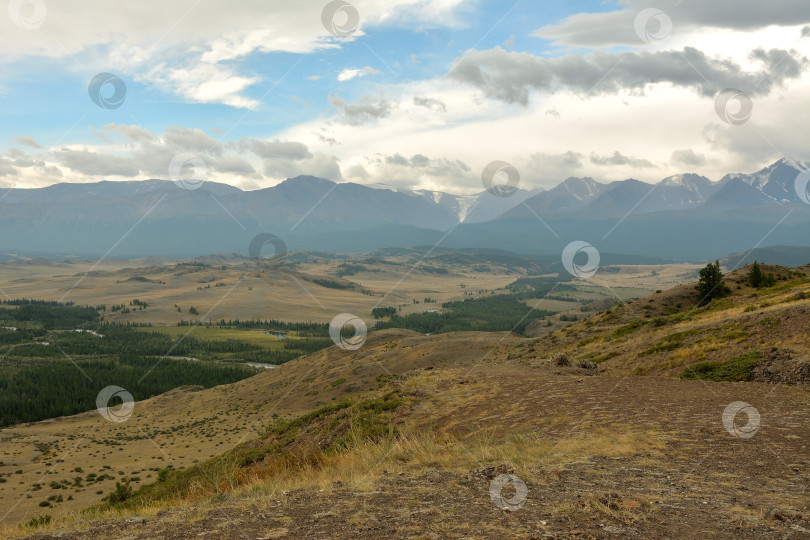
point(477, 398)
point(249, 292)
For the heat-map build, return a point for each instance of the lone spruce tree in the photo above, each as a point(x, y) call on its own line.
point(710, 283)
point(755, 277)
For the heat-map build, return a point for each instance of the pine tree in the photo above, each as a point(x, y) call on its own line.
point(755, 277)
point(710, 283)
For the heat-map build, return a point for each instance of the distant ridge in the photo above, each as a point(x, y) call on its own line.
point(792, 256)
point(684, 216)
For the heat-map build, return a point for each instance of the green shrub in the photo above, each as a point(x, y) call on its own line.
point(736, 369)
point(39, 520)
point(661, 347)
point(628, 328)
point(122, 493)
point(607, 356)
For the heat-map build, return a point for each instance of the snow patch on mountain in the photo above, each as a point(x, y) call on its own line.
point(465, 204)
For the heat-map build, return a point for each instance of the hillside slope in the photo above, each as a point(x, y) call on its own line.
point(666, 333)
point(406, 435)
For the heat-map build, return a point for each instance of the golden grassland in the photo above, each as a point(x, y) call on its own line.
point(244, 291)
point(666, 331)
point(184, 427)
point(472, 398)
point(247, 292)
point(545, 426)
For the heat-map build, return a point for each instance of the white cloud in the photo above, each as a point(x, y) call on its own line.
point(236, 165)
point(629, 134)
point(647, 121)
point(318, 164)
point(430, 103)
point(511, 77)
point(203, 83)
point(362, 110)
point(616, 27)
point(543, 169)
point(617, 159)
point(190, 49)
point(288, 150)
point(130, 132)
point(411, 172)
point(26, 141)
point(349, 74)
point(96, 164)
point(687, 157)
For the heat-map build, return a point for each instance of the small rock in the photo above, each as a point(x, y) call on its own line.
point(490, 473)
point(560, 359)
point(776, 514)
point(587, 364)
point(274, 533)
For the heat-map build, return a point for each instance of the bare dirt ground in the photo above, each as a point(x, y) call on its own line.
point(639, 457)
point(188, 425)
point(603, 450)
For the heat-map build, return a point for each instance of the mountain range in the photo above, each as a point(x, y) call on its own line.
point(683, 217)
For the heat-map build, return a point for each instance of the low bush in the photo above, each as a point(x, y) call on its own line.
point(736, 369)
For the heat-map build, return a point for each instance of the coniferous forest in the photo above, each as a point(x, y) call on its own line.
point(486, 314)
point(55, 358)
point(46, 388)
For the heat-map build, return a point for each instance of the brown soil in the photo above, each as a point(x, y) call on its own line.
point(684, 475)
point(604, 451)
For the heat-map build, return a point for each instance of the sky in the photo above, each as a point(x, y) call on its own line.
point(414, 94)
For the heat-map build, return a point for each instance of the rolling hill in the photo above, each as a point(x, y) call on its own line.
point(613, 425)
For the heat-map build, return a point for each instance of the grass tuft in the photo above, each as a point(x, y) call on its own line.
point(734, 370)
